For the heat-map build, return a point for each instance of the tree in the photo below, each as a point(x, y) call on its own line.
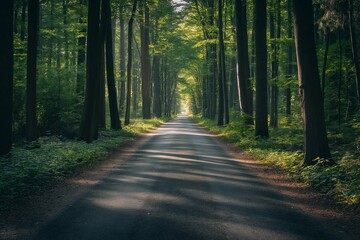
point(145, 60)
point(31, 106)
point(6, 75)
point(89, 119)
point(223, 96)
point(315, 136)
point(122, 62)
point(129, 64)
point(261, 118)
point(114, 112)
point(242, 66)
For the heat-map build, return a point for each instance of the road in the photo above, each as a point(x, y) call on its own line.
point(181, 184)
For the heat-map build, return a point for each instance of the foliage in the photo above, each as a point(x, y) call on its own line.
point(284, 151)
point(27, 171)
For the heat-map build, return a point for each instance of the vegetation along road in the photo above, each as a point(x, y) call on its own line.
point(181, 184)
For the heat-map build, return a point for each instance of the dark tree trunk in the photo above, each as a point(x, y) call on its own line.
point(323, 77)
point(89, 120)
point(23, 18)
point(114, 112)
point(6, 75)
point(128, 85)
point(261, 118)
point(156, 76)
point(66, 35)
point(290, 59)
point(81, 57)
point(145, 61)
point(223, 95)
point(102, 100)
point(354, 47)
point(315, 139)
point(243, 68)
point(122, 63)
point(33, 29)
point(340, 76)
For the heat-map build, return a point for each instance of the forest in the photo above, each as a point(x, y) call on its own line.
point(278, 78)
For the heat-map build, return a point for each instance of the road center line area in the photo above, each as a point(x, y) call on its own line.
point(181, 184)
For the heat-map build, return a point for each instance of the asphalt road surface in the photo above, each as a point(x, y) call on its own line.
point(181, 184)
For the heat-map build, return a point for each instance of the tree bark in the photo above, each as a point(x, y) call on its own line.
point(89, 120)
point(128, 85)
point(114, 112)
point(242, 66)
point(6, 75)
point(81, 57)
point(261, 117)
point(23, 18)
point(145, 61)
point(223, 95)
point(315, 139)
point(122, 63)
point(354, 47)
point(290, 59)
point(33, 29)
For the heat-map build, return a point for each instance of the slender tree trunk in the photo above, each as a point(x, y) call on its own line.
point(242, 53)
point(340, 76)
point(102, 100)
point(327, 43)
point(145, 61)
point(223, 96)
point(354, 47)
point(261, 118)
point(23, 18)
point(290, 59)
point(122, 63)
point(114, 112)
point(80, 76)
point(89, 119)
point(66, 35)
point(6, 75)
point(128, 87)
point(315, 139)
point(33, 28)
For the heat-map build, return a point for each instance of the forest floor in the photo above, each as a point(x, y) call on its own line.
point(25, 219)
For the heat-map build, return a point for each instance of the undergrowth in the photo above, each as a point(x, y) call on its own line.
point(28, 171)
point(284, 150)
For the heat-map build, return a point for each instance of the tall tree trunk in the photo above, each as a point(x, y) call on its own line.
point(340, 76)
point(274, 35)
point(222, 69)
point(243, 68)
point(102, 100)
point(33, 29)
point(156, 75)
point(23, 18)
point(145, 61)
point(114, 112)
point(122, 62)
point(89, 119)
point(290, 59)
point(261, 117)
point(327, 44)
point(81, 56)
point(6, 75)
point(354, 47)
point(315, 139)
point(66, 35)
point(128, 85)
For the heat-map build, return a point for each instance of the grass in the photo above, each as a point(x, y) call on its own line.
point(283, 150)
point(25, 172)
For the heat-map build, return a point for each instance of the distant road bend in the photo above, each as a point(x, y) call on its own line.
point(181, 184)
